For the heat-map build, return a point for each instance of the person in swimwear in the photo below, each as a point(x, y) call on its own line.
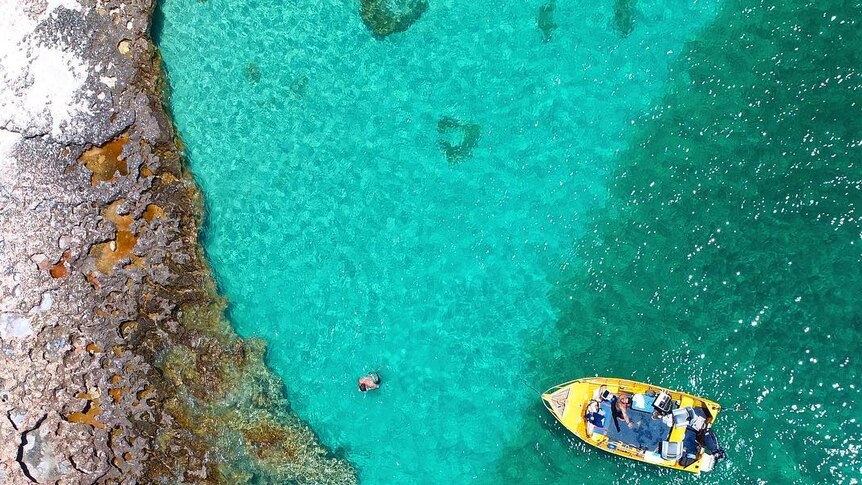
point(622, 403)
point(369, 382)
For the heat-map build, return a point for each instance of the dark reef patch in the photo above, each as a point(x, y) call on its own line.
point(299, 87)
point(624, 17)
point(457, 139)
point(252, 72)
point(545, 20)
point(384, 17)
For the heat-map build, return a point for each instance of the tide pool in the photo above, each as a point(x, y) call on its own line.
point(344, 236)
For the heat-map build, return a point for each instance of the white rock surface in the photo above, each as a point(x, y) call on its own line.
point(8, 164)
point(39, 454)
point(14, 326)
point(40, 82)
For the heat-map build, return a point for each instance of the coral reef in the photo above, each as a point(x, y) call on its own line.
point(116, 362)
point(383, 18)
point(252, 72)
point(457, 139)
point(624, 17)
point(545, 20)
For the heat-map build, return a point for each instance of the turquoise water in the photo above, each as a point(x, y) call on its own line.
point(672, 200)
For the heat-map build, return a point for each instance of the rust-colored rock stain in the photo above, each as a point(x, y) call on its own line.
point(61, 268)
point(127, 328)
point(145, 393)
point(168, 178)
point(153, 211)
point(93, 279)
point(116, 393)
point(108, 254)
point(91, 410)
point(107, 160)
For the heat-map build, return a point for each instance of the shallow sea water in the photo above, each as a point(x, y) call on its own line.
point(677, 205)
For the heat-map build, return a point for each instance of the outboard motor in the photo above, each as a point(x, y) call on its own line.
point(710, 442)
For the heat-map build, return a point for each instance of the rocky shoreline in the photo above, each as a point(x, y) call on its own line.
point(116, 362)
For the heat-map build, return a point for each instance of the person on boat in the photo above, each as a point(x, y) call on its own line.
point(594, 414)
point(369, 382)
point(621, 405)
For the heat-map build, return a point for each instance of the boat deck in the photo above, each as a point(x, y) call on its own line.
point(646, 433)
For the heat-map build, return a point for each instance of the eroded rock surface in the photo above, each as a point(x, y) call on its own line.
point(116, 362)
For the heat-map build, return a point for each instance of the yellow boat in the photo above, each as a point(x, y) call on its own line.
point(660, 426)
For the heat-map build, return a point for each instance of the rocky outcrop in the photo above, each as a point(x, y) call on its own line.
point(116, 362)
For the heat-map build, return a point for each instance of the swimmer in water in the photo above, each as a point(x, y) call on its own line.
point(369, 382)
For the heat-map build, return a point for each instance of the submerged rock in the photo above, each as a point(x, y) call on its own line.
point(545, 20)
point(299, 87)
point(624, 17)
point(385, 17)
point(457, 139)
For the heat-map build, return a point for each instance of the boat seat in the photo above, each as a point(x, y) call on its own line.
point(670, 450)
point(681, 417)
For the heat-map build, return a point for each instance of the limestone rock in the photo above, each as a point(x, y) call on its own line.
point(99, 261)
point(45, 303)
